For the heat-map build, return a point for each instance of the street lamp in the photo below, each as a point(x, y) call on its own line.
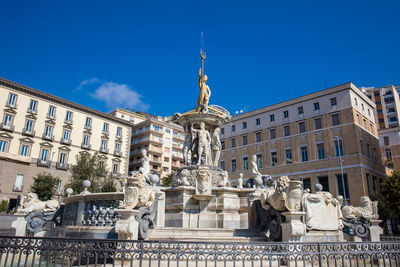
point(337, 138)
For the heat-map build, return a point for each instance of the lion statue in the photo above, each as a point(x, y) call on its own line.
point(136, 194)
point(368, 210)
point(276, 197)
point(31, 203)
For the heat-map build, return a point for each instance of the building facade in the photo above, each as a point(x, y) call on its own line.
point(303, 138)
point(40, 133)
point(164, 143)
point(387, 114)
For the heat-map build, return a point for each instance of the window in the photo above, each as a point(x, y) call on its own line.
point(48, 131)
point(24, 150)
point(101, 164)
point(324, 181)
point(272, 134)
point(7, 120)
point(374, 153)
point(12, 100)
point(362, 106)
point(286, 130)
point(233, 142)
point(244, 140)
point(340, 185)
point(18, 182)
point(317, 123)
point(119, 132)
point(304, 153)
point(338, 147)
point(222, 131)
point(258, 122)
point(115, 168)
point(245, 163)
point(168, 131)
point(52, 111)
point(374, 184)
point(88, 123)
point(307, 184)
point(274, 158)
point(258, 137)
point(222, 145)
point(286, 114)
point(376, 93)
point(244, 125)
point(369, 112)
point(233, 165)
point(44, 155)
point(158, 129)
point(302, 127)
point(288, 156)
point(259, 161)
point(271, 117)
point(86, 139)
point(68, 116)
point(29, 126)
point(355, 101)
point(32, 106)
point(368, 151)
point(66, 135)
point(321, 151)
point(335, 119)
point(105, 128)
point(300, 110)
point(386, 140)
point(388, 153)
point(378, 103)
point(233, 128)
point(222, 165)
point(362, 147)
point(118, 148)
point(316, 106)
point(62, 159)
point(333, 101)
point(103, 145)
point(166, 159)
point(3, 146)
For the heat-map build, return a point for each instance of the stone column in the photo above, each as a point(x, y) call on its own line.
point(375, 231)
point(293, 229)
point(127, 227)
point(160, 196)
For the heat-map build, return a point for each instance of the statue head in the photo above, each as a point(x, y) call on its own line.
point(202, 125)
point(217, 130)
point(31, 197)
point(144, 152)
point(365, 201)
point(318, 187)
point(254, 157)
point(205, 78)
point(241, 175)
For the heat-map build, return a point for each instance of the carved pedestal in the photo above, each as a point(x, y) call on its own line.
point(293, 229)
point(375, 231)
point(127, 227)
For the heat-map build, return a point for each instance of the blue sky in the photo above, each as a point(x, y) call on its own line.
point(145, 54)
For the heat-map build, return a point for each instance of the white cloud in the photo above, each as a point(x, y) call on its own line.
point(86, 82)
point(117, 95)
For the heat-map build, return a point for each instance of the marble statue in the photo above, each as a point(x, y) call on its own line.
point(203, 181)
point(145, 168)
point(368, 210)
point(225, 180)
point(276, 197)
point(322, 210)
point(31, 203)
point(216, 145)
point(136, 193)
point(205, 92)
point(240, 181)
point(256, 176)
point(182, 179)
point(187, 147)
point(203, 143)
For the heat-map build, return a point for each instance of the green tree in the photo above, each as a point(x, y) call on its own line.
point(108, 184)
point(87, 167)
point(3, 206)
point(166, 180)
point(44, 185)
point(389, 196)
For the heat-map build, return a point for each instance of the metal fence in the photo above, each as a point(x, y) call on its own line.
point(31, 251)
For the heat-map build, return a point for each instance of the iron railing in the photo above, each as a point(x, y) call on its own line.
point(32, 251)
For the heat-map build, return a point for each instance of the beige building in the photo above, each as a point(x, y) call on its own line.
point(44, 133)
point(163, 141)
point(132, 117)
point(303, 137)
point(387, 114)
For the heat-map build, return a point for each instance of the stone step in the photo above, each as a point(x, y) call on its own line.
point(206, 234)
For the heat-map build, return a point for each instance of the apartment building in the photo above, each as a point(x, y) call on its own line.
point(303, 138)
point(387, 114)
point(132, 117)
point(164, 142)
point(40, 132)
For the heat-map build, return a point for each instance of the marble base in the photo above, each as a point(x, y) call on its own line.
point(293, 229)
point(127, 227)
point(375, 231)
point(224, 208)
point(323, 236)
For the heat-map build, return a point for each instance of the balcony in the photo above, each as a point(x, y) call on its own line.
point(65, 142)
point(15, 106)
point(28, 133)
point(103, 150)
point(33, 112)
point(48, 137)
point(6, 127)
point(51, 117)
point(86, 146)
point(42, 163)
point(69, 122)
point(62, 166)
point(117, 153)
point(18, 188)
